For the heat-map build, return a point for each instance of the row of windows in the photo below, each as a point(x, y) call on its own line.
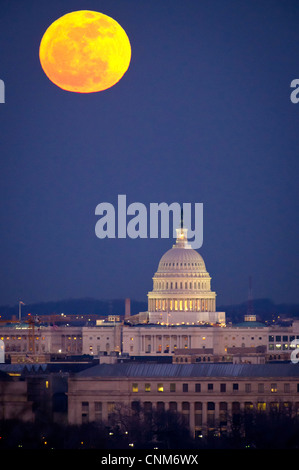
point(195, 305)
point(37, 338)
point(180, 264)
point(284, 338)
point(280, 347)
point(211, 387)
point(18, 348)
point(23, 337)
point(197, 359)
point(224, 409)
point(173, 406)
point(181, 285)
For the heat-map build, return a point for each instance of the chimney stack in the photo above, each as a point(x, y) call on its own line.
point(127, 309)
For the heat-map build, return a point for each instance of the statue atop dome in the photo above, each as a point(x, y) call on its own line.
point(181, 235)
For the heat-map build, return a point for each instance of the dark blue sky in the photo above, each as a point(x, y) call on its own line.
point(202, 115)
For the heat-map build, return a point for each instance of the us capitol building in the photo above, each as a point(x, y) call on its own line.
point(182, 288)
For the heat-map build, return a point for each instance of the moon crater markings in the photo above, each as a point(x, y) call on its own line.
point(85, 52)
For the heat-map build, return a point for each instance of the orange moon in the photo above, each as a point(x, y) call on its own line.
point(85, 51)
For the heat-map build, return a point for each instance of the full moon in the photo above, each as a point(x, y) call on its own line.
point(85, 51)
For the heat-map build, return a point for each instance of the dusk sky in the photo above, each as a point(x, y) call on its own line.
point(203, 114)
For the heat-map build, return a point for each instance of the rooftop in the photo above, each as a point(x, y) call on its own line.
point(249, 324)
point(191, 370)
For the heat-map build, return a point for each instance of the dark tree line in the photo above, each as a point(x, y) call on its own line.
point(162, 430)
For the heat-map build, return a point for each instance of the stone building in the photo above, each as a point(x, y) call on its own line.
point(21, 339)
point(209, 396)
point(147, 340)
point(102, 338)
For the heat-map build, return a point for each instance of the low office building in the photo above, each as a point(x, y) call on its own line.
point(207, 395)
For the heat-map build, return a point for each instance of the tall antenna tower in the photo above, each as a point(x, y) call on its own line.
point(250, 310)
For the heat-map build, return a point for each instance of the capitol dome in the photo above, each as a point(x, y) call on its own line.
point(181, 286)
point(182, 260)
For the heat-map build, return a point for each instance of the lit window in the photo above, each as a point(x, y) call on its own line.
point(248, 406)
point(273, 388)
point(160, 388)
point(261, 406)
point(134, 388)
point(274, 407)
point(147, 387)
